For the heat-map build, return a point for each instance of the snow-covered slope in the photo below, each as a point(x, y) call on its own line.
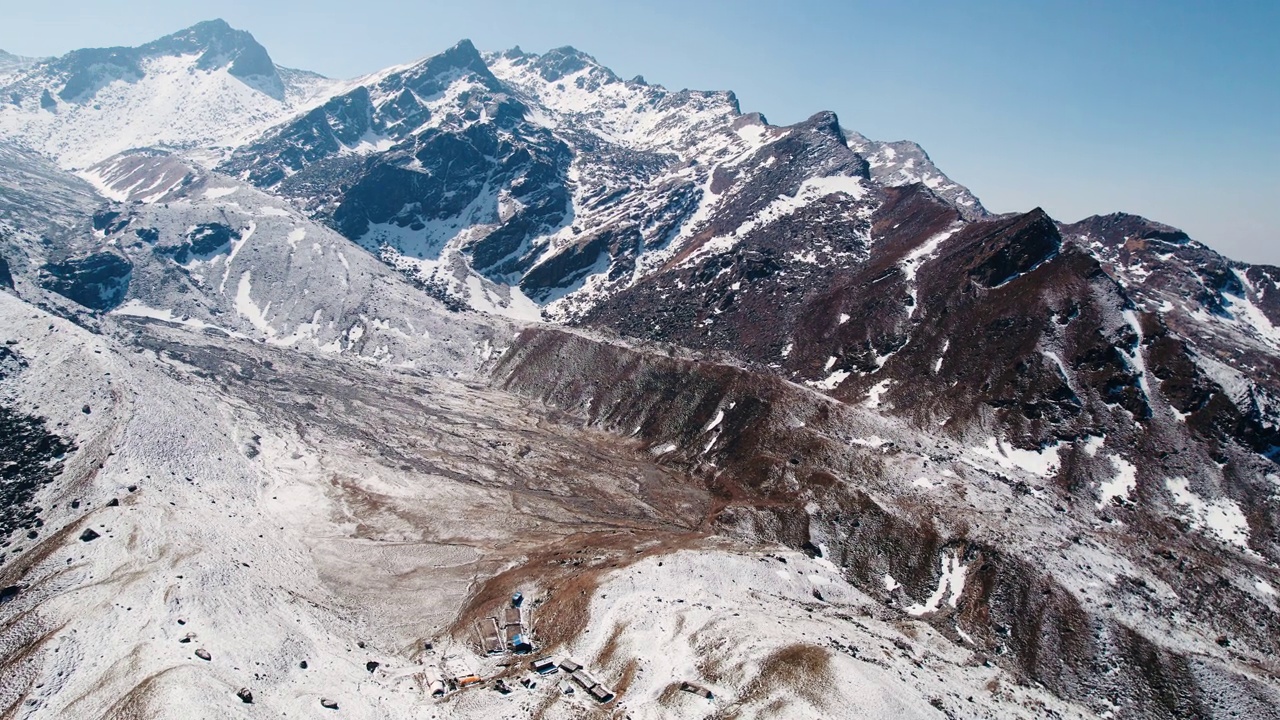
point(11, 64)
point(215, 254)
point(207, 88)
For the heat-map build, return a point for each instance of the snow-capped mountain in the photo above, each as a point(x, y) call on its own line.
point(209, 87)
point(305, 378)
point(563, 181)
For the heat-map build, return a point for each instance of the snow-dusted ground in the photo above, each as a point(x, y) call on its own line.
point(772, 634)
point(300, 508)
point(291, 506)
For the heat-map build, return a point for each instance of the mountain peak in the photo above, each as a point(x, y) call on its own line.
point(557, 63)
point(221, 46)
point(216, 26)
point(463, 56)
point(825, 122)
point(1119, 227)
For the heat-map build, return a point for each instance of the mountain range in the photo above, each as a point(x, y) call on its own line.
point(312, 375)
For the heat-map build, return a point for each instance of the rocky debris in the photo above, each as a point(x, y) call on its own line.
point(203, 654)
point(245, 695)
point(89, 535)
point(97, 281)
point(31, 457)
point(200, 243)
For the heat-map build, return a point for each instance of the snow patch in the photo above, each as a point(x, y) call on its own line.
point(952, 580)
point(249, 310)
point(1119, 486)
point(876, 392)
point(1043, 462)
point(1221, 517)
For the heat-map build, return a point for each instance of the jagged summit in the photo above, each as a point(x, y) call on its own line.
point(1117, 228)
point(433, 74)
point(905, 162)
point(559, 62)
point(220, 45)
point(825, 121)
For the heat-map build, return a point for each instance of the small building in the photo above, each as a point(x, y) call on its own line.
point(512, 616)
point(601, 693)
point(566, 688)
point(544, 666)
point(696, 689)
point(517, 599)
point(584, 679)
point(569, 666)
point(490, 636)
point(434, 680)
point(521, 644)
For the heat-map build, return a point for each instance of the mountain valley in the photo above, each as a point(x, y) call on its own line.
point(303, 380)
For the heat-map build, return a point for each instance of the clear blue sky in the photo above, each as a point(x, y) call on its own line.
point(1169, 109)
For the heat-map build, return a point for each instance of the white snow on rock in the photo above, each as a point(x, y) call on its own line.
point(810, 191)
point(1119, 486)
point(1221, 517)
point(876, 392)
point(950, 586)
point(1043, 463)
point(1250, 316)
point(832, 381)
point(1093, 444)
point(1136, 359)
point(740, 623)
point(916, 258)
